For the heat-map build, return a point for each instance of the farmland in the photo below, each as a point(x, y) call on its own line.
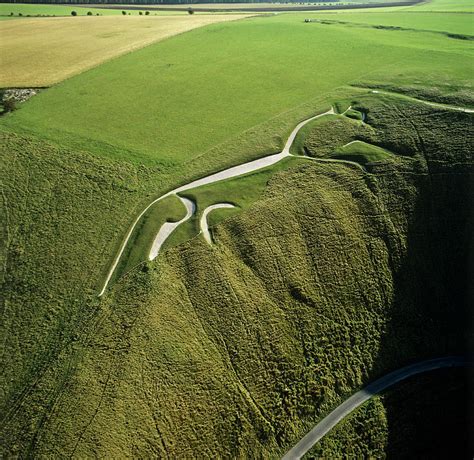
point(445, 5)
point(29, 10)
point(121, 86)
point(325, 276)
point(77, 44)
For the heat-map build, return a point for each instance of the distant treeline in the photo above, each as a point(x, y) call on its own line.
point(161, 2)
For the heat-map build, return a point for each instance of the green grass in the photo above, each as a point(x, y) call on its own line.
point(446, 22)
point(241, 191)
point(325, 282)
point(58, 10)
point(161, 113)
point(65, 212)
point(444, 5)
point(319, 287)
point(360, 152)
point(354, 114)
point(138, 248)
point(323, 136)
point(331, 137)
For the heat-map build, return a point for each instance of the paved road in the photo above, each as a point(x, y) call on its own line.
point(357, 399)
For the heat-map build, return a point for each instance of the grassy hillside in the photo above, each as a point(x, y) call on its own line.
point(321, 286)
point(330, 276)
point(64, 215)
point(455, 23)
point(426, 417)
point(161, 113)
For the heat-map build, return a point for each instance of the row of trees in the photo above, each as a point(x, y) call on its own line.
point(162, 2)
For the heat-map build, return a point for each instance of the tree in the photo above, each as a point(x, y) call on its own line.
point(190, 10)
point(73, 13)
point(89, 13)
point(147, 13)
point(140, 13)
point(124, 13)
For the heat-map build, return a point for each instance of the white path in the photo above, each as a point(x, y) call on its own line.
point(169, 227)
point(350, 143)
point(422, 101)
point(234, 172)
point(203, 222)
point(217, 177)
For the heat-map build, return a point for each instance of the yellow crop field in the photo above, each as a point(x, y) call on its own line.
point(43, 51)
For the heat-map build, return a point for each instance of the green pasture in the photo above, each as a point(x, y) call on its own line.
point(160, 106)
point(62, 10)
point(456, 23)
point(443, 6)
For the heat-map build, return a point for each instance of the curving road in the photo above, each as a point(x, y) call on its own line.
point(203, 221)
point(359, 398)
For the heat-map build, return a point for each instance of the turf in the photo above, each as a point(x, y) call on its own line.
point(69, 46)
point(241, 191)
point(324, 136)
point(455, 23)
point(331, 278)
point(62, 10)
point(138, 248)
point(332, 137)
point(360, 152)
point(315, 290)
point(161, 113)
point(438, 6)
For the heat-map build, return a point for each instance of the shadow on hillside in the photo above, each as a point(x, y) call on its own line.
point(430, 317)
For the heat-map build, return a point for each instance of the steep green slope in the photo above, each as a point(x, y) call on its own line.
point(333, 278)
point(424, 417)
point(65, 213)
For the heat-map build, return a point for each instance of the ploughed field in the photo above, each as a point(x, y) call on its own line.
point(332, 269)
